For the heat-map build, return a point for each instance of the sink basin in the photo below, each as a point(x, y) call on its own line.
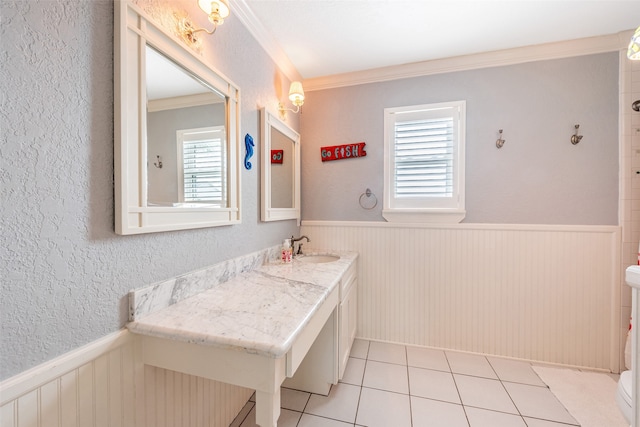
point(318, 259)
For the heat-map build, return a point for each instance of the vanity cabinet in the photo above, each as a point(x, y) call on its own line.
point(220, 333)
point(325, 362)
point(347, 316)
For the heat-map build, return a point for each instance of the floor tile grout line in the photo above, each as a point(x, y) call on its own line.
point(557, 422)
point(364, 371)
point(409, 394)
point(466, 416)
point(304, 411)
point(247, 415)
point(492, 368)
point(503, 387)
point(521, 383)
point(307, 404)
point(511, 398)
point(321, 416)
point(500, 412)
point(406, 359)
point(355, 420)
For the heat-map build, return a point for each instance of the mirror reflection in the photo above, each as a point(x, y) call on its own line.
point(186, 137)
point(282, 157)
point(280, 169)
point(176, 133)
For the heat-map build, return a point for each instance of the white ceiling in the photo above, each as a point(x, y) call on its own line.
point(327, 37)
point(165, 79)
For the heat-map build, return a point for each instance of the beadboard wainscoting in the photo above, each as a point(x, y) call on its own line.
point(174, 399)
point(89, 386)
point(536, 292)
point(95, 385)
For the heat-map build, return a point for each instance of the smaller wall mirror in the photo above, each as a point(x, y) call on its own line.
point(280, 185)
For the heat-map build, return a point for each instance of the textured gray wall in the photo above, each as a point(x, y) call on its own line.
point(538, 177)
point(65, 274)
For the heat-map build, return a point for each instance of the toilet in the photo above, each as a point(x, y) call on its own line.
point(627, 382)
point(623, 395)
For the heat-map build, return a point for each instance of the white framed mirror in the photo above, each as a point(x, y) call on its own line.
point(280, 183)
point(177, 144)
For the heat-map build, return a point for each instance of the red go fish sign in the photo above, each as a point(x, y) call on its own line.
point(339, 152)
point(277, 156)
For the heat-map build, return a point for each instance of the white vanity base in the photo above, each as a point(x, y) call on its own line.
point(254, 330)
point(319, 369)
point(315, 350)
point(263, 374)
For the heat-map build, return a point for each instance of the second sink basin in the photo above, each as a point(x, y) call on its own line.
point(318, 259)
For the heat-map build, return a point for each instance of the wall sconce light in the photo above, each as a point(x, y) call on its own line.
point(634, 46)
point(217, 10)
point(296, 96)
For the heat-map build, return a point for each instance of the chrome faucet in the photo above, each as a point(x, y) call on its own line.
point(293, 245)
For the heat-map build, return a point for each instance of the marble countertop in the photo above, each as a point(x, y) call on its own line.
point(261, 311)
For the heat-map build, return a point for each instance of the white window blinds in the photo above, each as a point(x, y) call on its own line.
point(424, 158)
point(203, 173)
point(424, 162)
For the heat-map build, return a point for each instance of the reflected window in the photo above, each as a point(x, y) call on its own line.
point(201, 155)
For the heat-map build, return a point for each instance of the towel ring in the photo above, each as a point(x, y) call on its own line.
point(368, 195)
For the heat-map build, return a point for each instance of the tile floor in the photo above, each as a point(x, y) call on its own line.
point(391, 385)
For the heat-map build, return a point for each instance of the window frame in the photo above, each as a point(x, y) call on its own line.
point(430, 209)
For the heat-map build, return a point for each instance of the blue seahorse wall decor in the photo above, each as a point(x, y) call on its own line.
point(248, 143)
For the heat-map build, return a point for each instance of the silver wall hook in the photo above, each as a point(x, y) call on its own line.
point(575, 138)
point(159, 164)
point(636, 105)
point(500, 141)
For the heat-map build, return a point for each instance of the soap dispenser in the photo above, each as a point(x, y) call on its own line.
point(287, 254)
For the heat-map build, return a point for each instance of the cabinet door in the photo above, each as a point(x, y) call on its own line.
point(347, 325)
point(353, 312)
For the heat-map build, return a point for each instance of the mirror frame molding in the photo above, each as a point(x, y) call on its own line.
point(268, 121)
point(133, 31)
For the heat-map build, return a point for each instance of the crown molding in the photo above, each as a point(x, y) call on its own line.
point(541, 52)
point(244, 13)
point(557, 50)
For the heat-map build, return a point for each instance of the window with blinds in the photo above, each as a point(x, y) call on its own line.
point(424, 160)
point(202, 172)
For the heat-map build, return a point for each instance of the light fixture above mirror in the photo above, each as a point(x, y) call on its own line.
point(633, 52)
point(296, 96)
point(216, 10)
